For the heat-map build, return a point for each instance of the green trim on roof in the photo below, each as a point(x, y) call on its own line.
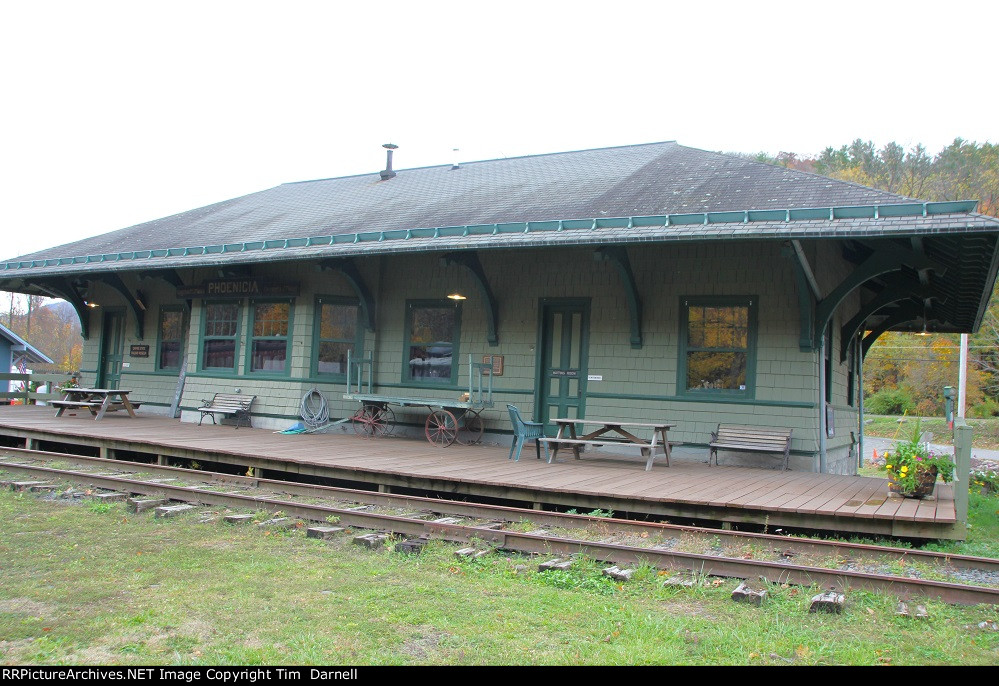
point(925, 209)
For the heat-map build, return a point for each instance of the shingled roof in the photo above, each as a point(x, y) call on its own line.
point(638, 180)
point(658, 192)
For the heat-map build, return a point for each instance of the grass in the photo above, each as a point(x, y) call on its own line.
point(94, 586)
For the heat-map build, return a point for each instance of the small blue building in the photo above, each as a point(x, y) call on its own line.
point(14, 351)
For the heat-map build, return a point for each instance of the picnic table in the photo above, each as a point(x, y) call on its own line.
point(96, 400)
point(623, 436)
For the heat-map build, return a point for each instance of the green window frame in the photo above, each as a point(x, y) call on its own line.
point(718, 347)
point(337, 328)
point(220, 329)
point(171, 325)
point(268, 350)
point(430, 348)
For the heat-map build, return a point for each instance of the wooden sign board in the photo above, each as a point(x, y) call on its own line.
point(138, 351)
point(238, 288)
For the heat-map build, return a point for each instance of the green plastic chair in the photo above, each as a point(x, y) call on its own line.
point(523, 432)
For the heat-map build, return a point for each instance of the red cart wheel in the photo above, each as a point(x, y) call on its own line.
point(471, 428)
point(441, 428)
point(373, 420)
point(386, 421)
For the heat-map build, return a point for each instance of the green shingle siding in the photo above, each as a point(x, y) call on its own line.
point(636, 383)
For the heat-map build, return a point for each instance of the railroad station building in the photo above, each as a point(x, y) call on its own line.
point(642, 282)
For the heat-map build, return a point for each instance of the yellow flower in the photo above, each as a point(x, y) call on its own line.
point(887, 466)
point(904, 468)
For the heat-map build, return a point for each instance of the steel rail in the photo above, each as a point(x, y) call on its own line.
point(785, 545)
point(534, 543)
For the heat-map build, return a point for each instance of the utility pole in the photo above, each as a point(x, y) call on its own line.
point(962, 376)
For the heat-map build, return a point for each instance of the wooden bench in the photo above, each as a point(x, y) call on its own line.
point(750, 439)
point(580, 445)
point(92, 405)
point(228, 404)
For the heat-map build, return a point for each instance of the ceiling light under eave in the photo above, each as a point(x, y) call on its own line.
point(456, 296)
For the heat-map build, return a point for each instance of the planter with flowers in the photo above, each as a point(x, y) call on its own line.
point(913, 469)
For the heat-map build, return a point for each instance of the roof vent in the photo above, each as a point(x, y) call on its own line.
point(455, 165)
point(387, 173)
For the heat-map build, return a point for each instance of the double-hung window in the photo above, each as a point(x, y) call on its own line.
point(220, 335)
point(717, 347)
point(431, 346)
point(337, 332)
point(270, 334)
point(170, 350)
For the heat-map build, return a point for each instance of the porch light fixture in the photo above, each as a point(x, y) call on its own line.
point(456, 296)
point(90, 304)
point(924, 332)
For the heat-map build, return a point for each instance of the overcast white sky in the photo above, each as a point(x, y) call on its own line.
point(115, 113)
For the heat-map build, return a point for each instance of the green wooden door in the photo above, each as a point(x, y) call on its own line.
point(112, 349)
point(562, 366)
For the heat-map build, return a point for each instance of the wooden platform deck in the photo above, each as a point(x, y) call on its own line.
point(687, 490)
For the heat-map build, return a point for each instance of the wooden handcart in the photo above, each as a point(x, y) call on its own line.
point(448, 420)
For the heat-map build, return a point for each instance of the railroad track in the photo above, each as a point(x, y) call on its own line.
point(781, 559)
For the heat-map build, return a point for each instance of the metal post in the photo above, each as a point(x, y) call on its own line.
point(962, 470)
point(822, 402)
point(962, 378)
point(859, 358)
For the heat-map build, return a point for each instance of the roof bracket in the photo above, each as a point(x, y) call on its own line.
point(134, 301)
point(806, 307)
point(470, 261)
point(348, 269)
point(893, 294)
point(60, 287)
point(905, 313)
point(170, 276)
point(618, 255)
point(884, 260)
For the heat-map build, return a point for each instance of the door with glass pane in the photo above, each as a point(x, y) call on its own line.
point(112, 349)
point(565, 328)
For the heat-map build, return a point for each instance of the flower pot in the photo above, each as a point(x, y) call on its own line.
point(926, 479)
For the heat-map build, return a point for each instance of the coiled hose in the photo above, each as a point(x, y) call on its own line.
point(314, 410)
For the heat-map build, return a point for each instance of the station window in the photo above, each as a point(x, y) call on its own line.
point(717, 347)
point(337, 331)
point(220, 335)
point(431, 347)
point(171, 328)
point(270, 333)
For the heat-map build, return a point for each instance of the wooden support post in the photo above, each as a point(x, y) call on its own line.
point(29, 444)
point(962, 471)
point(536, 506)
point(384, 488)
point(161, 460)
point(105, 452)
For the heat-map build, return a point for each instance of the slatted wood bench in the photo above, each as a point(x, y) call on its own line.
point(228, 404)
point(92, 405)
point(750, 439)
point(579, 445)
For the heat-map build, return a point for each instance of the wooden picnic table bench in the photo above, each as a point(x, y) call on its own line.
point(750, 439)
point(97, 400)
point(623, 438)
point(228, 404)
